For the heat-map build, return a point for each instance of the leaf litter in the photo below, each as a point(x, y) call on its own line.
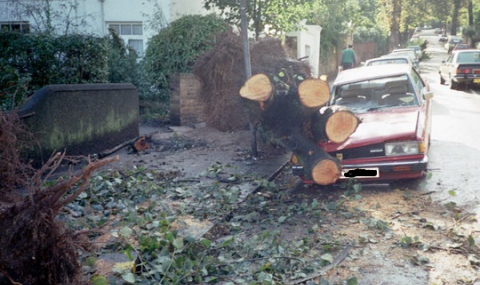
point(225, 227)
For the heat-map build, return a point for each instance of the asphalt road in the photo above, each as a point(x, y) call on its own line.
point(455, 147)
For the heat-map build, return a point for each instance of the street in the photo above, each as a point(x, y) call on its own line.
point(455, 147)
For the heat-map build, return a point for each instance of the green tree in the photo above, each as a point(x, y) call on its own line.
point(279, 16)
point(391, 12)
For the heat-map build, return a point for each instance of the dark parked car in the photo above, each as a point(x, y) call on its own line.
point(452, 42)
point(392, 140)
point(462, 67)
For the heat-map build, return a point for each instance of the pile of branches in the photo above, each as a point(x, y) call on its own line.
point(222, 73)
point(36, 247)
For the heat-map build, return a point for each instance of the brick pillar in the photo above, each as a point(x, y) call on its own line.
point(185, 105)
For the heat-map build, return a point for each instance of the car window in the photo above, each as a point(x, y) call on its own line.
point(418, 82)
point(468, 57)
point(376, 94)
point(387, 61)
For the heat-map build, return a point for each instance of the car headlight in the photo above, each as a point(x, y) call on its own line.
point(403, 148)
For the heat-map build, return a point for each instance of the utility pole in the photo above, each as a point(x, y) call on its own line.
point(248, 72)
point(246, 49)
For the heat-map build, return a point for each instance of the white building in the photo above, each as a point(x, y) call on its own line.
point(136, 21)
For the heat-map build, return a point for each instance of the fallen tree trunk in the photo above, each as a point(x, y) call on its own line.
point(317, 164)
point(289, 103)
point(313, 93)
point(334, 123)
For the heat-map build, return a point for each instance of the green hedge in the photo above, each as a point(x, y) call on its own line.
point(30, 61)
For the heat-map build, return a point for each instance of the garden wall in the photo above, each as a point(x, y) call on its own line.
point(81, 118)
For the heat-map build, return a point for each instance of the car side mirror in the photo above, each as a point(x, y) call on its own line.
point(427, 95)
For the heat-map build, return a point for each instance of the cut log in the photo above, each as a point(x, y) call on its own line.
point(317, 164)
point(141, 144)
point(334, 123)
point(257, 88)
point(313, 93)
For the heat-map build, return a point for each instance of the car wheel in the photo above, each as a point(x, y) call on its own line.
point(453, 85)
point(442, 81)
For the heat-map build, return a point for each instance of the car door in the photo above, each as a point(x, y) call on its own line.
point(425, 122)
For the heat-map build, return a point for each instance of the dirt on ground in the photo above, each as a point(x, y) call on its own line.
point(383, 234)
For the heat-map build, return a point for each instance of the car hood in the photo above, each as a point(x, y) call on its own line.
point(380, 126)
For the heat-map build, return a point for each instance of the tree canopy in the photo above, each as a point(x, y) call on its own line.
point(277, 15)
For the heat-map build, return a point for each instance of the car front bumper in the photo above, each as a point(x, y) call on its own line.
point(386, 171)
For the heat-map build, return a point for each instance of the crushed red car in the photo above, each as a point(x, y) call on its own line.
point(393, 138)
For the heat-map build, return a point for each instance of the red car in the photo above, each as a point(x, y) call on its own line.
point(461, 46)
point(393, 138)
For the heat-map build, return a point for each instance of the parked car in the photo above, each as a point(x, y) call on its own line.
point(392, 59)
point(438, 31)
point(417, 49)
point(452, 42)
point(442, 38)
point(392, 140)
point(462, 67)
point(404, 52)
point(461, 46)
point(398, 58)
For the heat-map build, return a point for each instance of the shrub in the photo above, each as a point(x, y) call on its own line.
point(176, 48)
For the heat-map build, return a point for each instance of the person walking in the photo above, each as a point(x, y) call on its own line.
point(349, 58)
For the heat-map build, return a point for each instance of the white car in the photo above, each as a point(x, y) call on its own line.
point(406, 50)
point(390, 59)
point(410, 54)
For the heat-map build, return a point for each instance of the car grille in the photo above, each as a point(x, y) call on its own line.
point(360, 152)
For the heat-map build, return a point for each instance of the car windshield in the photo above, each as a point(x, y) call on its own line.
point(375, 94)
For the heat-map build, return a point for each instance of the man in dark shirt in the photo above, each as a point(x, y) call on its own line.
point(349, 58)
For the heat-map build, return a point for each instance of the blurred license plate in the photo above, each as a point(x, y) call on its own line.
point(476, 80)
point(360, 173)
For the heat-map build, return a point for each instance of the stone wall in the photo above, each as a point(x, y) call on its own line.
point(186, 107)
point(81, 118)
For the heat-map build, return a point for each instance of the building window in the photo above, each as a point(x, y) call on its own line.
point(137, 45)
point(127, 29)
point(131, 33)
point(22, 27)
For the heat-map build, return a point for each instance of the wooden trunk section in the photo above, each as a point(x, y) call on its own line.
point(313, 93)
point(318, 165)
point(257, 88)
point(335, 123)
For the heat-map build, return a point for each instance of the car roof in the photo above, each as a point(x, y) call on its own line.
point(367, 72)
point(402, 50)
point(390, 57)
point(458, 51)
